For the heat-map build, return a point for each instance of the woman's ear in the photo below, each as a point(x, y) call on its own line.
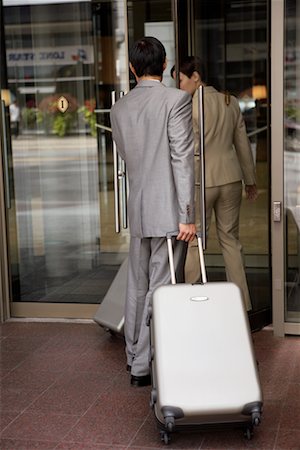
point(165, 64)
point(196, 77)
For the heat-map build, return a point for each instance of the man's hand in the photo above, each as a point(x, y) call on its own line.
point(251, 191)
point(187, 232)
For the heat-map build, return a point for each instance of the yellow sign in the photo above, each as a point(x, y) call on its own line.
point(6, 97)
point(62, 104)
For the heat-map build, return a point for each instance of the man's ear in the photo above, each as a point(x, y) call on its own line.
point(165, 64)
point(132, 69)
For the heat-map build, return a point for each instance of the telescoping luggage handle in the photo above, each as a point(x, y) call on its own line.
point(171, 256)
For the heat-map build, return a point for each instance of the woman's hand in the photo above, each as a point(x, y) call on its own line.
point(251, 191)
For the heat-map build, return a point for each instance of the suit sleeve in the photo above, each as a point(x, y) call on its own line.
point(243, 149)
point(181, 140)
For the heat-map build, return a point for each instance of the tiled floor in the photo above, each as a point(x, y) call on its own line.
point(64, 386)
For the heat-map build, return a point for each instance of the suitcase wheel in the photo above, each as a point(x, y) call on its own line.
point(165, 437)
point(153, 398)
point(248, 433)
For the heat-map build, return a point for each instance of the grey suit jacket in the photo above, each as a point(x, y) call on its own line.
point(152, 129)
point(228, 156)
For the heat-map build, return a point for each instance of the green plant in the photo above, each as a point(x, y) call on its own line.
point(292, 111)
point(89, 115)
point(29, 117)
point(62, 123)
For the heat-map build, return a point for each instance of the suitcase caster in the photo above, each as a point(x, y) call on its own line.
point(256, 419)
point(153, 398)
point(248, 433)
point(170, 423)
point(165, 437)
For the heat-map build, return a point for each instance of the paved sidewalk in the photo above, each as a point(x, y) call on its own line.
point(64, 386)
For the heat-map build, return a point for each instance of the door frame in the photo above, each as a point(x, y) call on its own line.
point(277, 165)
point(4, 271)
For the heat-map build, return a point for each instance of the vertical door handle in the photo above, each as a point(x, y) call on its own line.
point(176, 38)
point(202, 164)
point(116, 183)
point(123, 178)
point(119, 174)
point(5, 154)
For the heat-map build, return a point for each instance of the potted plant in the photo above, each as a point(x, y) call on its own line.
point(55, 121)
point(89, 115)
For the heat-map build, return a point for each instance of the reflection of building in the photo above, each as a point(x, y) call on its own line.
point(55, 58)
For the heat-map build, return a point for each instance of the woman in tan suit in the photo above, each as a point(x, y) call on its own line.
point(228, 165)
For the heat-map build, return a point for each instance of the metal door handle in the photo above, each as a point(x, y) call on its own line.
point(202, 165)
point(122, 178)
point(123, 187)
point(119, 174)
point(116, 183)
point(5, 154)
point(176, 39)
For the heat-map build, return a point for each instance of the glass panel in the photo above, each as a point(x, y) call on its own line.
point(231, 37)
point(62, 247)
point(292, 160)
point(153, 18)
point(111, 71)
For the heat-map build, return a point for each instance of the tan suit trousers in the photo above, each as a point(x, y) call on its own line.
point(225, 201)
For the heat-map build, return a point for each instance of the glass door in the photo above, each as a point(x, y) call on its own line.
point(291, 168)
point(153, 18)
point(232, 38)
point(286, 167)
point(63, 59)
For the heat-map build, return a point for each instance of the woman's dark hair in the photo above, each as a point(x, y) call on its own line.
point(148, 56)
point(193, 64)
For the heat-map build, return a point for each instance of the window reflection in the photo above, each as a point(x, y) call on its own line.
point(59, 241)
point(292, 160)
point(231, 37)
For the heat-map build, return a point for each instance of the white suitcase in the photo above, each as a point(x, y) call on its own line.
point(204, 372)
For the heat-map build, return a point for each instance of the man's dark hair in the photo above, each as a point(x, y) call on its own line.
point(148, 56)
point(193, 64)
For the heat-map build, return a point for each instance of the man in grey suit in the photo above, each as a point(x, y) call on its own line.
point(152, 129)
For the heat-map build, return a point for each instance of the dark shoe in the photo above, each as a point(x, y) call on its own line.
point(128, 368)
point(144, 380)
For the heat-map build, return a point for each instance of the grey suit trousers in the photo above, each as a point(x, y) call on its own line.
point(148, 268)
point(225, 200)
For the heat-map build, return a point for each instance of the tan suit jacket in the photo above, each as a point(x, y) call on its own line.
point(223, 126)
point(228, 161)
